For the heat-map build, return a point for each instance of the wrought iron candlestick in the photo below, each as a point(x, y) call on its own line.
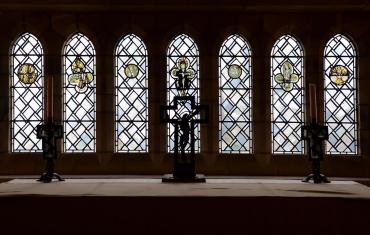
point(184, 164)
point(49, 133)
point(315, 134)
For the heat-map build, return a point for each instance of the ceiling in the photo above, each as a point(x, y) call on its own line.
point(186, 5)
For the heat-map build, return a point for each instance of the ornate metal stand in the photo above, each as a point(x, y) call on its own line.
point(315, 134)
point(49, 133)
point(184, 164)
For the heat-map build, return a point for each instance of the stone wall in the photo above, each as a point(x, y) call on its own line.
point(209, 24)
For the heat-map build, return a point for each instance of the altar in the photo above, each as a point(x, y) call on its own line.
point(144, 205)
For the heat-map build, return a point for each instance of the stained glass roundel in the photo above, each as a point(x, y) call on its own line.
point(131, 71)
point(339, 74)
point(27, 73)
point(234, 71)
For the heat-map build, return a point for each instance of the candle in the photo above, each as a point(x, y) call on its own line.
point(313, 102)
point(49, 100)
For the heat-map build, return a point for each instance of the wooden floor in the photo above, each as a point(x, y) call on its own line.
point(147, 206)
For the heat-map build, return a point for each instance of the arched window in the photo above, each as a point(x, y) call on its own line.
point(79, 94)
point(182, 51)
point(340, 95)
point(235, 74)
point(131, 73)
point(287, 81)
point(27, 95)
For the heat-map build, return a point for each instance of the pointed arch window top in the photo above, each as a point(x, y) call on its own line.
point(340, 45)
point(183, 45)
point(27, 44)
point(79, 44)
point(235, 46)
point(287, 46)
point(131, 45)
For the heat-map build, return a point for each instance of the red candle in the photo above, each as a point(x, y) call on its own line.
point(313, 102)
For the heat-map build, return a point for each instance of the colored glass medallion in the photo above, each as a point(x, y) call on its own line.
point(131, 71)
point(79, 78)
point(183, 75)
point(27, 73)
point(339, 74)
point(234, 71)
point(287, 77)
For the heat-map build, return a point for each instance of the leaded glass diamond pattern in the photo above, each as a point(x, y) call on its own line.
point(235, 115)
point(131, 132)
point(182, 46)
point(341, 100)
point(27, 100)
point(287, 115)
point(79, 108)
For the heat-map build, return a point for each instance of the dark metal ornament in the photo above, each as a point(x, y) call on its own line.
point(49, 132)
point(315, 134)
point(184, 164)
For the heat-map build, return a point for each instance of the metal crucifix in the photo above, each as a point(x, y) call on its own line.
point(184, 123)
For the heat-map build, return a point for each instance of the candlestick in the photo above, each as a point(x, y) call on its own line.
point(313, 102)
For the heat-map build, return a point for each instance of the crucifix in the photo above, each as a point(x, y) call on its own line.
point(49, 133)
point(315, 134)
point(184, 123)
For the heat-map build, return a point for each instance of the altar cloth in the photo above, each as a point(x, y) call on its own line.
point(214, 187)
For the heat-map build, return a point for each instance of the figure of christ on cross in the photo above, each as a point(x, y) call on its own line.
point(184, 117)
point(183, 75)
point(185, 128)
point(183, 81)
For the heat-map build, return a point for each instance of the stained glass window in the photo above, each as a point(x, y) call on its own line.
point(235, 93)
point(131, 73)
point(79, 94)
point(287, 114)
point(182, 59)
point(27, 96)
point(340, 95)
